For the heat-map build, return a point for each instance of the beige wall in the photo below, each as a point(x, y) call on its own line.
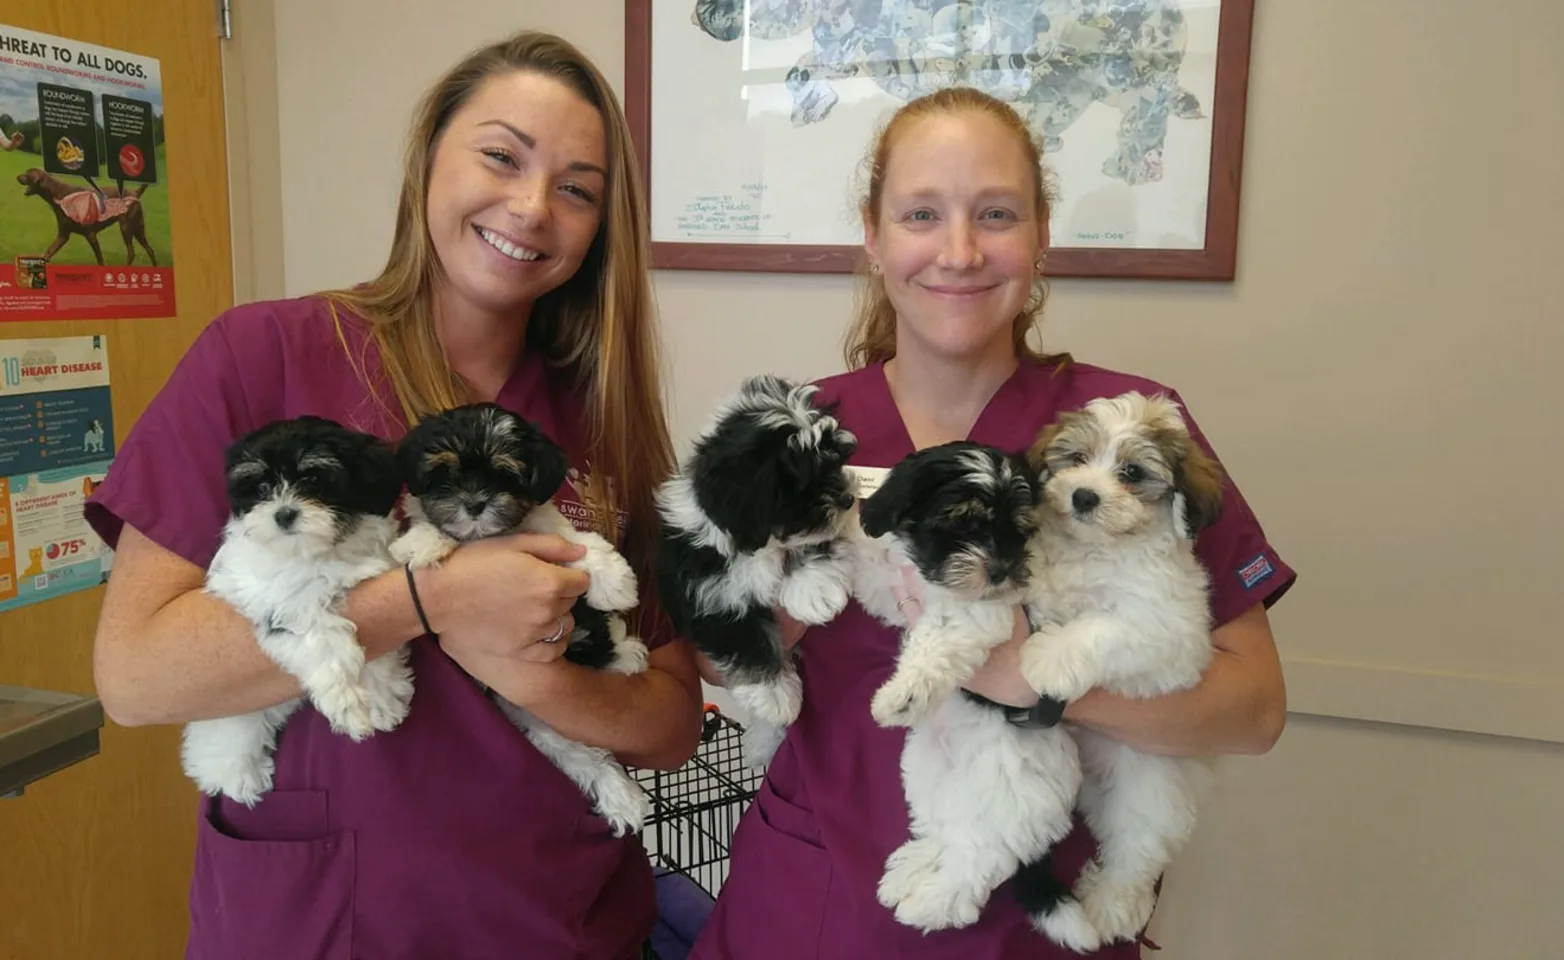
point(1374, 379)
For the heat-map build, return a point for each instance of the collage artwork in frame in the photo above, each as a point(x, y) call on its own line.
point(752, 118)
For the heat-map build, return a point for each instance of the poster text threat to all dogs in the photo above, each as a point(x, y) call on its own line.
point(84, 216)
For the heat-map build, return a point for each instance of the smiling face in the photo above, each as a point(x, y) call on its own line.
point(516, 190)
point(958, 233)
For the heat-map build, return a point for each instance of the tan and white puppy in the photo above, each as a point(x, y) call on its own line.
point(1119, 601)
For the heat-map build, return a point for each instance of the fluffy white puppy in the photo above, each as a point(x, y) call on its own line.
point(985, 797)
point(1120, 601)
point(311, 506)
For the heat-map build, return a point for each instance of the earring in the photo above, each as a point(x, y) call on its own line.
point(1041, 261)
point(874, 267)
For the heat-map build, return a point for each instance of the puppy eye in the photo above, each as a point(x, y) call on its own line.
point(1132, 473)
point(1078, 458)
point(263, 489)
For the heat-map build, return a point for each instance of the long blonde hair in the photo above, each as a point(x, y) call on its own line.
point(872, 336)
point(599, 324)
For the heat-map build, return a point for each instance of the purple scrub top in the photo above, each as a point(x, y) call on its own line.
point(809, 852)
point(451, 836)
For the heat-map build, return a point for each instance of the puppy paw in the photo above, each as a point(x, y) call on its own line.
point(759, 743)
point(814, 595)
point(776, 703)
point(630, 657)
point(243, 778)
point(1047, 666)
point(922, 895)
point(343, 702)
point(613, 585)
point(388, 682)
point(423, 545)
point(622, 802)
point(1066, 924)
point(910, 867)
point(903, 700)
point(931, 909)
point(353, 718)
point(1118, 911)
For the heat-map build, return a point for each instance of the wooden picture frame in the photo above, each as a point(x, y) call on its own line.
point(1203, 135)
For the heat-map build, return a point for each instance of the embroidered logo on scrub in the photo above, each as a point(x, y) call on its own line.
point(1255, 571)
point(575, 501)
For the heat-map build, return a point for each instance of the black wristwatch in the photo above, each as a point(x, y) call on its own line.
point(1045, 713)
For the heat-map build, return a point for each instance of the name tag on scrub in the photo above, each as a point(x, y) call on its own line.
point(868, 479)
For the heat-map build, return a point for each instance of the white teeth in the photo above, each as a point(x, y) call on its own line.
point(509, 249)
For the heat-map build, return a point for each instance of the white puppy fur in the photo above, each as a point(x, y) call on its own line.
point(985, 797)
point(311, 519)
point(1121, 603)
point(480, 471)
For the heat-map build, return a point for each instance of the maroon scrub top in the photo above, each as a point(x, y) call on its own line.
point(809, 852)
point(451, 836)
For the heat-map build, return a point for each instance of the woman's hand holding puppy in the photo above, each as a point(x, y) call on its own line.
point(999, 678)
point(505, 597)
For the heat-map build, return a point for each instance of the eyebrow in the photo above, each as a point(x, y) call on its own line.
point(987, 193)
point(530, 143)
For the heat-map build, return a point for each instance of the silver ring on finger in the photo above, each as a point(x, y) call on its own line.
point(558, 634)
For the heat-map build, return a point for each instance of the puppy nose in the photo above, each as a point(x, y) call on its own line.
point(475, 508)
point(1084, 500)
point(286, 516)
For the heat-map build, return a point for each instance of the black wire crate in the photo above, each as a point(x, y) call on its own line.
point(696, 808)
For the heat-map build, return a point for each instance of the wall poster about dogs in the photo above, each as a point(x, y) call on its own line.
point(84, 219)
point(752, 118)
point(56, 443)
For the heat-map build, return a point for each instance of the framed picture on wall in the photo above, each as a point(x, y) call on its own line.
point(751, 119)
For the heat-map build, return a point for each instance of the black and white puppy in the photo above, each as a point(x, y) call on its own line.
point(478, 471)
point(753, 521)
point(1120, 601)
point(311, 514)
point(985, 797)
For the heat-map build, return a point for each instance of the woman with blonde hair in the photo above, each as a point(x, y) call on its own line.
point(956, 234)
point(518, 274)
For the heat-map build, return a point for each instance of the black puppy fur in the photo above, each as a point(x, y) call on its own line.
point(753, 480)
point(478, 453)
point(348, 473)
point(942, 500)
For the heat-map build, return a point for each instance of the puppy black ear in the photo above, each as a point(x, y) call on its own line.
point(411, 454)
point(885, 508)
point(1198, 477)
point(549, 465)
point(1020, 464)
point(879, 513)
point(738, 499)
point(379, 473)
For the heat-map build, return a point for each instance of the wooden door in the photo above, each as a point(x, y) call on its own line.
point(95, 860)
